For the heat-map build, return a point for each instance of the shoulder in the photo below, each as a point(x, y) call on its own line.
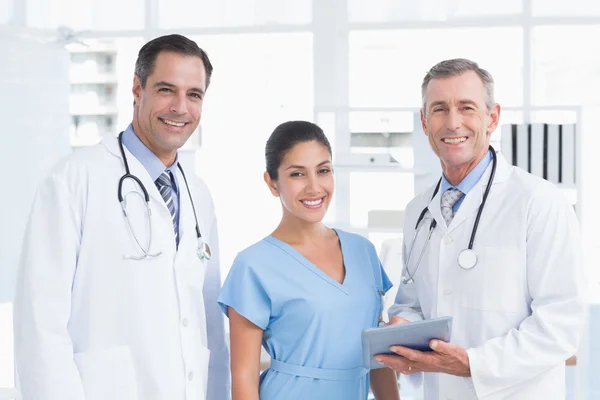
point(539, 200)
point(421, 200)
point(356, 241)
point(73, 170)
point(532, 189)
point(199, 188)
point(256, 256)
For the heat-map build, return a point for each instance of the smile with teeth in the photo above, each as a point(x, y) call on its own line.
point(172, 123)
point(454, 140)
point(313, 203)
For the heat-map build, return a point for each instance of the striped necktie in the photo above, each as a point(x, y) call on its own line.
point(164, 185)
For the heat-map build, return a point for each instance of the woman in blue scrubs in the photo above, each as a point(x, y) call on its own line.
point(306, 291)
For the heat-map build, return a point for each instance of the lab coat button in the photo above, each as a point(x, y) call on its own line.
point(185, 322)
point(448, 240)
point(191, 376)
point(448, 292)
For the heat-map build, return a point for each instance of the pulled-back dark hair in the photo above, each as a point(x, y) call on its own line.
point(178, 44)
point(285, 137)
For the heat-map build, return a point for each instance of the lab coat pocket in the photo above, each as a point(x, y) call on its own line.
point(497, 281)
point(107, 374)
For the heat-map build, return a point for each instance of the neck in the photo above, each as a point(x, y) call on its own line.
point(455, 175)
point(167, 157)
point(293, 230)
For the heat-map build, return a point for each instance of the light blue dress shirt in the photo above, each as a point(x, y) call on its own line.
point(469, 181)
point(152, 163)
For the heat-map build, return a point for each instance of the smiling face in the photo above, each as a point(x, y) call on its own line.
point(168, 109)
point(305, 182)
point(458, 123)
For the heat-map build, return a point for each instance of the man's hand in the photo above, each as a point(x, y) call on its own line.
point(395, 320)
point(447, 358)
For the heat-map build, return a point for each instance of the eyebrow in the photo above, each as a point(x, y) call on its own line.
point(170, 85)
point(302, 167)
point(443, 103)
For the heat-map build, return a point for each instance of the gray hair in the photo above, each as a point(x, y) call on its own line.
point(455, 67)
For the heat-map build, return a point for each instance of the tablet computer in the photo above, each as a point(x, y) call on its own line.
point(415, 335)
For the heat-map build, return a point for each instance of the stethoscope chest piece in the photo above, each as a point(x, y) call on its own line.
point(204, 252)
point(406, 280)
point(467, 259)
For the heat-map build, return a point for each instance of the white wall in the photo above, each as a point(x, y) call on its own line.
point(35, 125)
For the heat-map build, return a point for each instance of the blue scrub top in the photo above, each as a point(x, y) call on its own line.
point(311, 322)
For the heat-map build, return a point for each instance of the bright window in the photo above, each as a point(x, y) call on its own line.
point(566, 65)
point(560, 8)
point(259, 81)
point(429, 10)
point(226, 13)
point(6, 11)
point(387, 67)
point(86, 15)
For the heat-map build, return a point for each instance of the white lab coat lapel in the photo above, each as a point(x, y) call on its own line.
point(161, 216)
point(186, 259)
point(136, 168)
point(472, 201)
point(436, 210)
point(474, 198)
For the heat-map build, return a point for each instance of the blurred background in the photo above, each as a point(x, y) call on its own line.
point(353, 66)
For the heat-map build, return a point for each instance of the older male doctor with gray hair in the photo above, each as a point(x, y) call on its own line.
point(516, 296)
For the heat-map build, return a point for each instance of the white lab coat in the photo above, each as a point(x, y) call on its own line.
point(91, 325)
point(519, 312)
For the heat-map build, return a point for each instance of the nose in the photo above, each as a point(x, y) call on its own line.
point(312, 186)
point(179, 104)
point(453, 120)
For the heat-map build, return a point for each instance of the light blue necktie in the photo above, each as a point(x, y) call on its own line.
point(449, 199)
point(164, 185)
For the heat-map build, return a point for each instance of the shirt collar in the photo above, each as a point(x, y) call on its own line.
point(149, 160)
point(472, 177)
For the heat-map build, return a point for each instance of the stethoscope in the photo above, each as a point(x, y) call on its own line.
point(203, 249)
point(467, 258)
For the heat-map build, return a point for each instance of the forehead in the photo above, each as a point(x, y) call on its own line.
point(306, 153)
point(178, 69)
point(467, 86)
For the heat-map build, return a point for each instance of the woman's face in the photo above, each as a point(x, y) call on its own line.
point(305, 182)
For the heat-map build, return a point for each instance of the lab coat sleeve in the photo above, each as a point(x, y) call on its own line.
point(551, 334)
point(218, 374)
point(43, 347)
point(406, 304)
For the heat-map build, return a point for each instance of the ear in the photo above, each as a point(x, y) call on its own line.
point(424, 122)
point(137, 89)
point(494, 117)
point(271, 184)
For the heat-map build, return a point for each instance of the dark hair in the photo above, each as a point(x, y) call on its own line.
point(285, 137)
point(178, 44)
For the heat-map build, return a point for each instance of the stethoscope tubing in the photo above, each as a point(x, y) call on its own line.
point(203, 248)
point(434, 223)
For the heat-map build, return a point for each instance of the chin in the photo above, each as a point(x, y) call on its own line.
point(311, 218)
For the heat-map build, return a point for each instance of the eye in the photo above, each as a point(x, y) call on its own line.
point(296, 174)
point(324, 170)
point(164, 90)
point(468, 108)
point(196, 96)
point(438, 109)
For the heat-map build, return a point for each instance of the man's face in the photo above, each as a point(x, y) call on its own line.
point(168, 109)
point(457, 121)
